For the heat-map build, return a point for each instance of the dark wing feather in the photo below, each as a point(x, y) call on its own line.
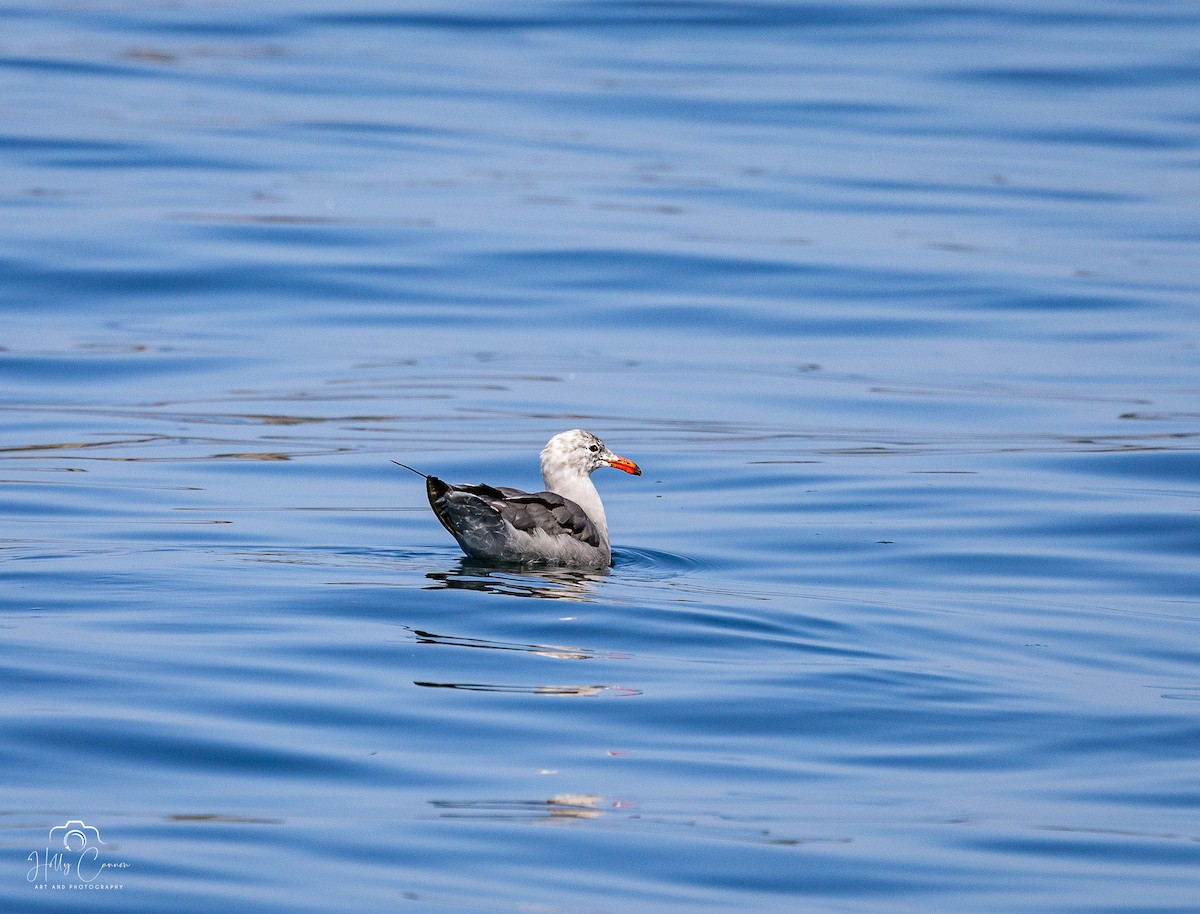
point(546, 511)
point(439, 493)
point(551, 513)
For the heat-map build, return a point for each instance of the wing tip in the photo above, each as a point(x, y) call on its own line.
point(437, 490)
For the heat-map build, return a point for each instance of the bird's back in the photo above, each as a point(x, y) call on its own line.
point(510, 525)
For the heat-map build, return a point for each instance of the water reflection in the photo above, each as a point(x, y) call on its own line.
point(519, 581)
point(560, 806)
point(575, 690)
point(224, 819)
point(554, 651)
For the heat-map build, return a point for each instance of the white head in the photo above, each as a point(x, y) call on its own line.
point(578, 453)
point(567, 464)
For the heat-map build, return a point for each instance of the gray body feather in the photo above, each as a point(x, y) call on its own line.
point(508, 525)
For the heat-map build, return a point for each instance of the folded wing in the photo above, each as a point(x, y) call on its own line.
point(493, 522)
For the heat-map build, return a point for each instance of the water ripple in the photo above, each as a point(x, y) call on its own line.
point(905, 604)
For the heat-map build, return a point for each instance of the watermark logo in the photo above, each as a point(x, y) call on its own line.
point(73, 859)
point(75, 836)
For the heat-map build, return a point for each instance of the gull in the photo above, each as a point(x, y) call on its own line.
point(564, 525)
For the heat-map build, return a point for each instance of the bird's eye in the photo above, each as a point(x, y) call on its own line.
point(594, 448)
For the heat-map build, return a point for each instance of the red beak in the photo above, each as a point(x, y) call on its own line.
point(628, 466)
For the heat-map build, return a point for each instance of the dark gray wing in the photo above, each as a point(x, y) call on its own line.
point(447, 501)
point(545, 511)
point(550, 513)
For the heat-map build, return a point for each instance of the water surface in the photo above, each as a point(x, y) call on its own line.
point(895, 307)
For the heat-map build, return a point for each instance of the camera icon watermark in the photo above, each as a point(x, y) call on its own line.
point(75, 836)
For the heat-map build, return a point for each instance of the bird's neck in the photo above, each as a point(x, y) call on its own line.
point(582, 491)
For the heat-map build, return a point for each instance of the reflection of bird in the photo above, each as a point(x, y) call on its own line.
point(544, 582)
point(564, 525)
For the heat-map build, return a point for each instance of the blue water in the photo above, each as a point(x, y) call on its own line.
point(896, 307)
